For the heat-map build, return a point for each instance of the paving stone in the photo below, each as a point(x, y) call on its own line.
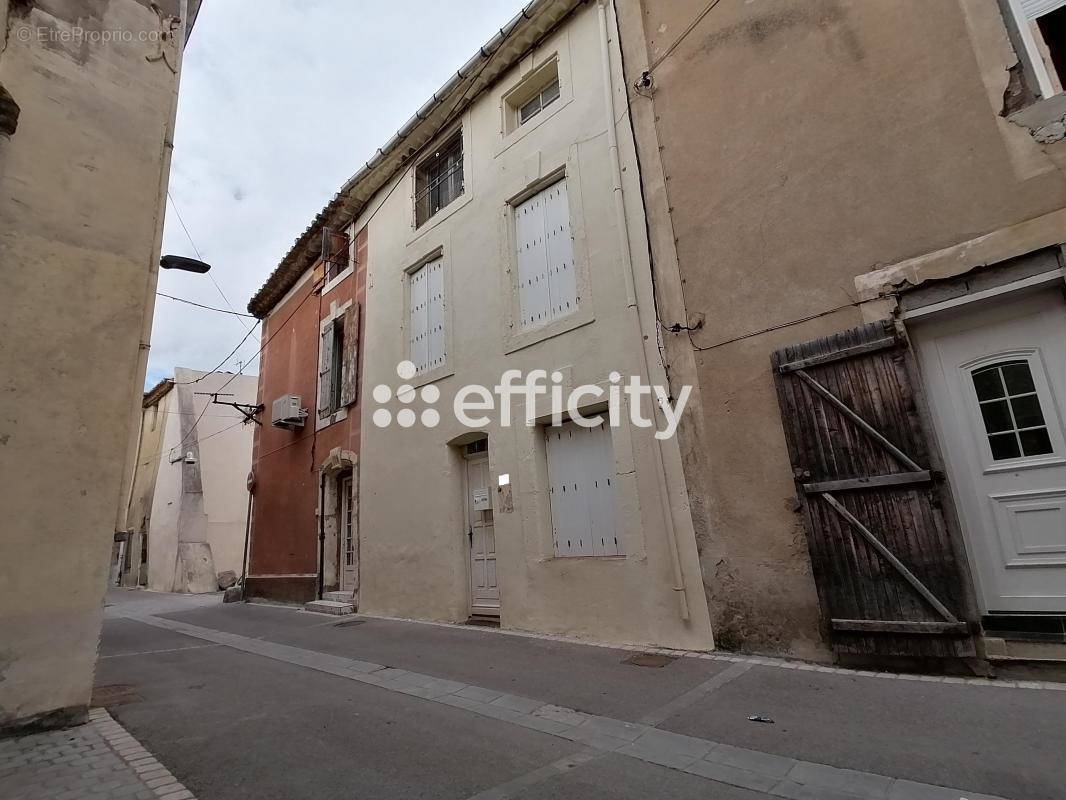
point(909, 790)
point(734, 776)
point(668, 749)
point(521, 704)
point(479, 694)
point(84, 763)
point(751, 760)
point(605, 726)
point(567, 716)
point(800, 791)
point(847, 780)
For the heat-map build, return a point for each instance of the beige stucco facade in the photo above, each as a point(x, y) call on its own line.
point(803, 161)
point(81, 208)
point(190, 497)
point(414, 546)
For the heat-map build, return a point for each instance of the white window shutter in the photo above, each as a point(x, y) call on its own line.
point(1038, 8)
point(533, 298)
point(562, 282)
point(435, 313)
point(581, 476)
point(325, 367)
point(418, 338)
point(547, 283)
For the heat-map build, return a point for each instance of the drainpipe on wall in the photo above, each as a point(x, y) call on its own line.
point(631, 300)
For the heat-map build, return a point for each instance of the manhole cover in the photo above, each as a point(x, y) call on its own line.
point(116, 694)
point(648, 660)
point(350, 623)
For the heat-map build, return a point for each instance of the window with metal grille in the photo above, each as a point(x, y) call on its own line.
point(547, 282)
point(581, 478)
point(439, 179)
point(426, 316)
point(1010, 409)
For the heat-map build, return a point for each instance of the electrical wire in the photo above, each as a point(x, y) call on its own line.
point(669, 50)
point(808, 318)
point(200, 305)
point(161, 453)
point(448, 121)
point(196, 250)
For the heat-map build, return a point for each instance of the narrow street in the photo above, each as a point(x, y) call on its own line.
point(244, 700)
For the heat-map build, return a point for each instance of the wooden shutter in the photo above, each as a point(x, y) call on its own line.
point(350, 368)
point(325, 367)
point(581, 476)
point(533, 298)
point(886, 569)
point(435, 314)
point(417, 333)
point(562, 282)
point(334, 252)
point(547, 282)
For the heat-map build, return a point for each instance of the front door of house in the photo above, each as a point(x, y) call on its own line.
point(349, 535)
point(997, 379)
point(481, 537)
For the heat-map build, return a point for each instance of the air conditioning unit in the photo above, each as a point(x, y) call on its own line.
point(286, 412)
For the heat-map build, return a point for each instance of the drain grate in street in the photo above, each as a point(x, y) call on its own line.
point(350, 623)
point(116, 694)
point(648, 660)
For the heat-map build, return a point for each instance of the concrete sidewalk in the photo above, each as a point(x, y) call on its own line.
point(835, 733)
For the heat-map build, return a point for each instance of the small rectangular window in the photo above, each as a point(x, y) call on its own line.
point(439, 179)
point(335, 252)
point(426, 316)
point(536, 91)
point(581, 479)
point(543, 98)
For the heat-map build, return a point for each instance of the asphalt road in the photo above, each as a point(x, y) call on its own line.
point(236, 724)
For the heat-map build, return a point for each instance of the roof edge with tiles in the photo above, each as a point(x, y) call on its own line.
point(487, 65)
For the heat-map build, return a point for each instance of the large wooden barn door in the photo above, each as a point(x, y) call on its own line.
point(886, 570)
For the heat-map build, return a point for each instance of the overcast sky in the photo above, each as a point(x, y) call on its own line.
point(281, 102)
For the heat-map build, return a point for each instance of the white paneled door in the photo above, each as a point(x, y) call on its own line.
point(997, 379)
point(349, 536)
point(481, 535)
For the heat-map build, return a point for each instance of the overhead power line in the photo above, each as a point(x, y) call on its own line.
point(196, 250)
point(200, 305)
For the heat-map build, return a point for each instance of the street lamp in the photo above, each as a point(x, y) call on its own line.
point(184, 264)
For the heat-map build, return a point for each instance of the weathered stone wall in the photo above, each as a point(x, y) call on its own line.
point(790, 146)
point(80, 219)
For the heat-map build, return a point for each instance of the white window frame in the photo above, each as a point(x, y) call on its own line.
point(1021, 36)
point(514, 336)
point(336, 311)
point(556, 276)
point(443, 368)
